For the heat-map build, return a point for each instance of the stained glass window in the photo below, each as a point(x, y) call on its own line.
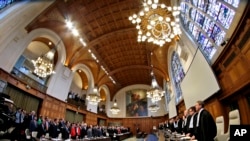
point(234, 3)
point(195, 2)
point(5, 3)
point(177, 74)
point(199, 19)
point(202, 4)
point(208, 26)
point(226, 16)
point(208, 21)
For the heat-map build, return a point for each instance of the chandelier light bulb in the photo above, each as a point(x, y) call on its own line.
point(168, 40)
point(134, 16)
point(149, 2)
point(138, 20)
point(130, 18)
point(156, 1)
point(177, 19)
point(148, 34)
point(149, 27)
point(168, 19)
point(172, 23)
point(141, 13)
point(160, 18)
point(172, 36)
point(154, 6)
point(152, 23)
point(156, 23)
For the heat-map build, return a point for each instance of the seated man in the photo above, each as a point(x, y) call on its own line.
point(152, 136)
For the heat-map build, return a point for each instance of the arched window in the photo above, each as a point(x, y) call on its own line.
point(177, 75)
point(5, 3)
point(207, 21)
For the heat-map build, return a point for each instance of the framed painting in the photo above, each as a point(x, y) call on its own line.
point(136, 103)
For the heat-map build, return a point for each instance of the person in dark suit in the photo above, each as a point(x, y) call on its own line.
point(89, 131)
point(84, 130)
point(53, 129)
point(41, 131)
point(33, 125)
point(205, 124)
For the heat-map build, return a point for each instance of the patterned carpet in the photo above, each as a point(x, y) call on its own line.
point(160, 135)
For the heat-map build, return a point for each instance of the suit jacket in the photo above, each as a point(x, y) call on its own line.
point(84, 132)
point(206, 130)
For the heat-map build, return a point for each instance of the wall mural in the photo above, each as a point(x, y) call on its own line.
point(136, 103)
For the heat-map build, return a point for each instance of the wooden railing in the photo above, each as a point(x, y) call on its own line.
point(29, 81)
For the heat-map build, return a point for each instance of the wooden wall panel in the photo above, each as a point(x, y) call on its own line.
point(145, 124)
point(214, 107)
point(232, 70)
point(53, 108)
point(91, 118)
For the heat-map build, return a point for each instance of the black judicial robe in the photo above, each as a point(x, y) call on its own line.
point(186, 127)
point(206, 131)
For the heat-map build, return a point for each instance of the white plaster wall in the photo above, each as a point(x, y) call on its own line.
point(12, 30)
point(91, 83)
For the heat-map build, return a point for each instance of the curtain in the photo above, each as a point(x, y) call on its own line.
point(70, 116)
point(22, 99)
point(78, 117)
point(74, 116)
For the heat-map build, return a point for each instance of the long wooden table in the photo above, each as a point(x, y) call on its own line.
point(120, 137)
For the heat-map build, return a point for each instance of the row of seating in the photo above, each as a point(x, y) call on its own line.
point(33, 135)
point(234, 119)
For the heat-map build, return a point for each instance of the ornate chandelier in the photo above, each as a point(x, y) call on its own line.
point(156, 23)
point(155, 93)
point(114, 109)
point(93, 98)
point(44, 64)
point(153, 108)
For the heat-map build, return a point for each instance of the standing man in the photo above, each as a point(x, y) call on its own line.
point(206, 127)
point(185, 122)
point(191, 122)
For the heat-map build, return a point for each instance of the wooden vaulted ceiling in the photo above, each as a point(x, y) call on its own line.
point(109, 34)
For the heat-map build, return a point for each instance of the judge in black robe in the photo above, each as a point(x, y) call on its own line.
point(186, 124)
point(205, 124)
